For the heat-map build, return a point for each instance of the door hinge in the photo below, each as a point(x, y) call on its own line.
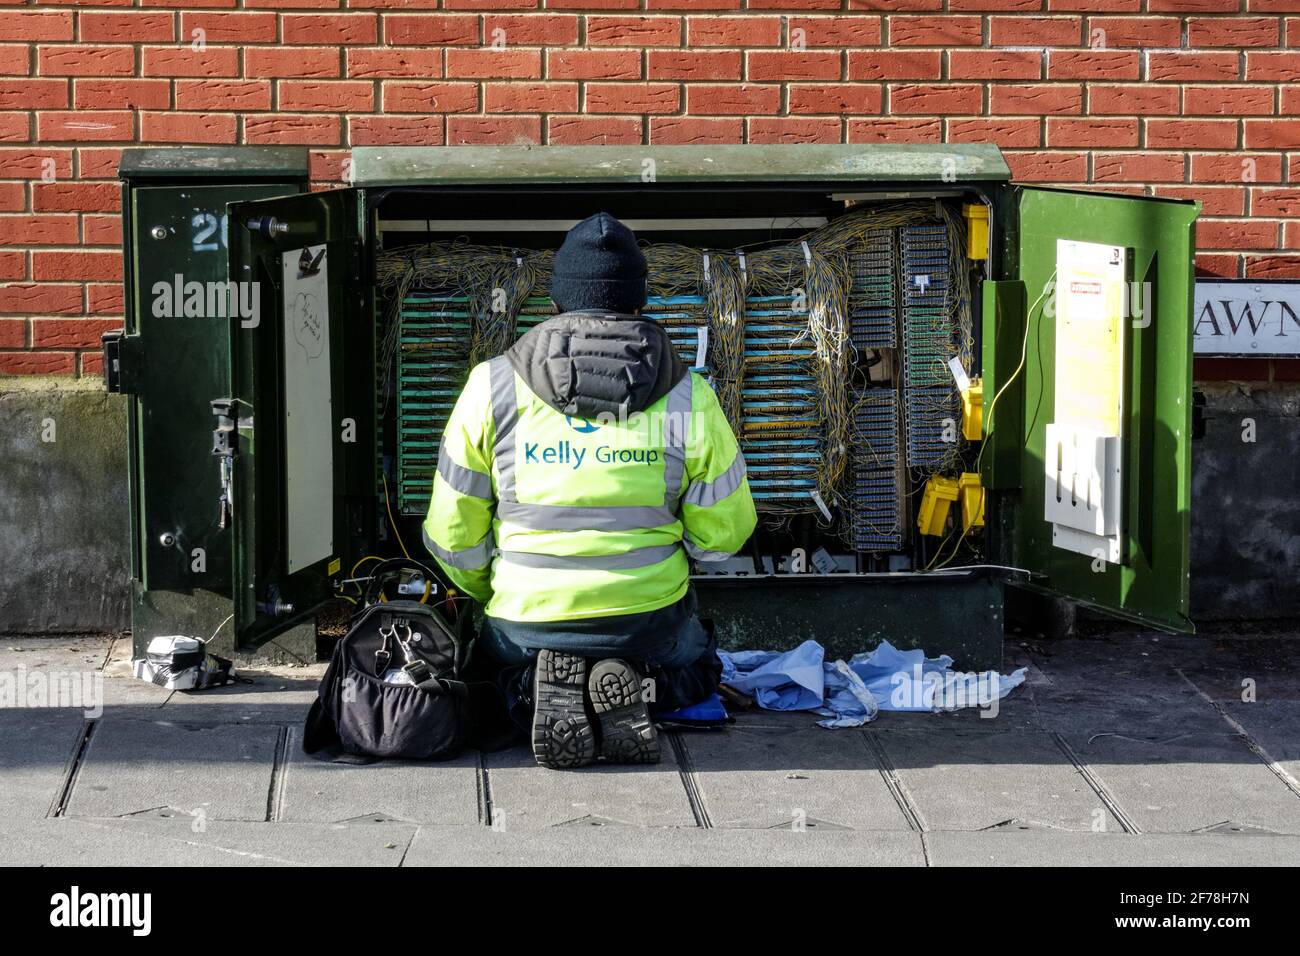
point(121, 361)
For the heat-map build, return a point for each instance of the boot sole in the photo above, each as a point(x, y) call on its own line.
point(562, 733)
point(627, 735)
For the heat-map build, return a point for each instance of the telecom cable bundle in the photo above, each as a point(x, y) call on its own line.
point(929, 342)
point(781, 422)
point(776, 327)
point(873, 301)
point(875, 494)
point(433, 364)
point(685, 319)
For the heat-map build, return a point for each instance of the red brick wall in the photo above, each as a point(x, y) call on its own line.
point(1189, 98)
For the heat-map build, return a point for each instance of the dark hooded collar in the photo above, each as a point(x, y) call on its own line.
point(586, 364)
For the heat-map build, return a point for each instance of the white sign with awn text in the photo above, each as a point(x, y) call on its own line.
point(1246, 317)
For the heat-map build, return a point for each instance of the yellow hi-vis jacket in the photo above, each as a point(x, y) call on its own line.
point(544, 517)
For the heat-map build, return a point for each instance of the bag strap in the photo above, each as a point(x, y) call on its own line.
point(422, 676)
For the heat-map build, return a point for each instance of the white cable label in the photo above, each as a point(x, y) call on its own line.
point(807, 253)
point(706, 267)
point(821, 505)
point(959, 374)
point(701, 346)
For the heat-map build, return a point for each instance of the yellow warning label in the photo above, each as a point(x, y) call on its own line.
point(1090, 303)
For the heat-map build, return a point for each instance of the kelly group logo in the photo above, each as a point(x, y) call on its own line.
point(567, 453)
point(581, 425)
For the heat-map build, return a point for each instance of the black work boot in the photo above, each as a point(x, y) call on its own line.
point(562, 733)
point(627, 735)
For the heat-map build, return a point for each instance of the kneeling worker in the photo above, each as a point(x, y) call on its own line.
point(577, 472)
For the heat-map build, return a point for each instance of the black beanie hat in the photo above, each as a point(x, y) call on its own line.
point(599, 267)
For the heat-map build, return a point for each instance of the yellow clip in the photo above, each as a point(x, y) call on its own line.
point(972, 500)
point(977, 230)
point(972, 411)
point(940, 493)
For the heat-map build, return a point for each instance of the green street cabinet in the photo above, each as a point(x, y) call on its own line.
point(988, 385)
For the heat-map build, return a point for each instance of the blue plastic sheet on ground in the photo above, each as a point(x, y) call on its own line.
point(850, 694)
point(708, 711)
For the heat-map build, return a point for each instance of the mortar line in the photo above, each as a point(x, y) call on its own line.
point(410, 842)
point(279, 774)
point(690, 781)
point(885, 767)
point(483, 784)
point(1252, 744)
point(73, 770)
point(108, 652)
point(1097, 786)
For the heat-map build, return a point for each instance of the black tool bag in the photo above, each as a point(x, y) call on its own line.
point(394, 688)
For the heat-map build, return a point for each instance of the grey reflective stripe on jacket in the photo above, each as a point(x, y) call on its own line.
point(543, 517)
point(705, 494)
point(505, 414)
point(464, 480)
point(677, 427)
point(474, 558)
point(700, 554)
point(636, 558)
point(575, 518)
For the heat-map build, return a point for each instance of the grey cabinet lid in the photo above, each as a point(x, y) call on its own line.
point(413, 165)
point(213, 162)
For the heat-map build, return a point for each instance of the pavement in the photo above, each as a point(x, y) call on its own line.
point(1126, 748)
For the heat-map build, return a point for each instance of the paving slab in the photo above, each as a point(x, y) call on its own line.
point(524, 796)
point(1113, 684)
point(1145, 714)
point(153, 766)
point(1126, 705)
point(284, 684)
point(1055, 847)
point(1017, 710)
point(88, 842)
point(55, 653)
point(778, 770)
point(1189, 782)
point(627, 846)
point(1224, 666)
point(1275, 726)
point(265, 694)
point(279, 696)
point(36, 748)
point(983, 779)
point(125, 695)
point(129, 697)
point(74, 667)
point(445, 793)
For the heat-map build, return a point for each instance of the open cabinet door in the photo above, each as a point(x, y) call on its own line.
point(302, 420)
point(1090, 459)
point(175, 231)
